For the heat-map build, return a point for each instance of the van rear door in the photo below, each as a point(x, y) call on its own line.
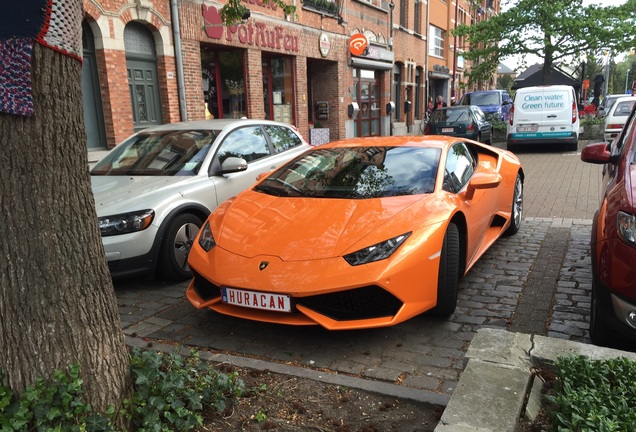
point(546, 112)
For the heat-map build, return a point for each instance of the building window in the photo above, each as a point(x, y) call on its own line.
point(397, 85)
point(418, 24)
point(403, 6)
point(436, 45)
point(418, 93)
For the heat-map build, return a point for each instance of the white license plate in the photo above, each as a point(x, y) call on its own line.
point(256, 300)
point(446, 130)
point(531, 128)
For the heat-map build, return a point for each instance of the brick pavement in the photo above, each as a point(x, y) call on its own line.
point(423, 353)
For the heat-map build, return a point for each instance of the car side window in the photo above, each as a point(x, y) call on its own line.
point(460, 166)
point(247, 142)
point(282, 138)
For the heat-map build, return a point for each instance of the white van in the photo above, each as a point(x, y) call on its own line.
point(544, 115)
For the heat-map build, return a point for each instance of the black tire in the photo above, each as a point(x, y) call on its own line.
point(177, 242)
point(573, 146)
point(516, 214)
point(448, 276)
point(600, 333)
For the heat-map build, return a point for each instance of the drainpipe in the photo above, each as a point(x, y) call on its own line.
point(455, 54)
point(176, 35)
point(428, 25)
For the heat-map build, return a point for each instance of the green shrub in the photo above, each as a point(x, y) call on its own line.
point(170, 392)
point(588, 121)
point(54, 405)
point(594, 396)
point(498, 125)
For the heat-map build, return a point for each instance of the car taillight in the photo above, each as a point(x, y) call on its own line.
point(511, 115)
point(470, 127)
point(575, 113)
point(427, 130)
point(615, 126)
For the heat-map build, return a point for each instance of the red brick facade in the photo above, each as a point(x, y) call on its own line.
point(326, 76)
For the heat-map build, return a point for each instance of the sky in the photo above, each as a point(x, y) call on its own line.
point(515, 61)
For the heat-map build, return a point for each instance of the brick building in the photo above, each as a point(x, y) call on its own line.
point(149, 62)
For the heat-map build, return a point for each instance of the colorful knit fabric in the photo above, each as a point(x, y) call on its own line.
point(15, 76)
point(55, 24)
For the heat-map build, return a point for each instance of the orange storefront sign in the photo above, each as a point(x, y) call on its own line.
point(358, 44)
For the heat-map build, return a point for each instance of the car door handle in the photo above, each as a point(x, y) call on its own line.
point(552, 116)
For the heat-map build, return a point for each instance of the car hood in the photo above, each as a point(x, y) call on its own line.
point(298, 229)
point(122, 194)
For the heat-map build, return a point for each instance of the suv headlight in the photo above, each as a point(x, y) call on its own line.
point(376, 252)
point(206, 240)
point(626, 227)
point(125, 223)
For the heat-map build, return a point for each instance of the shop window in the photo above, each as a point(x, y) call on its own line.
point(223, 83)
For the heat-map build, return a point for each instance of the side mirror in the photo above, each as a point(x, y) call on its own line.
point(482, 180)
point(233, 164)
point(597, 153)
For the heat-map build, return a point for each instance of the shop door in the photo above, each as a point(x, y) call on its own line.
point(368, 96)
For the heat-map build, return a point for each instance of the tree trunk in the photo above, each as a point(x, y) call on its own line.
point(58, 304)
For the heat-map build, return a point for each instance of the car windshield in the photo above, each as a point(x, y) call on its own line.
point(356, 172)
point(481, 99)
point(158, 153)
point(450, 115)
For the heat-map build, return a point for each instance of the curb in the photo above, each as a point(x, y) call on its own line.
point(384, 388)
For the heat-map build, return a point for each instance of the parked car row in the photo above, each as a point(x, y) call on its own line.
point(272, 229)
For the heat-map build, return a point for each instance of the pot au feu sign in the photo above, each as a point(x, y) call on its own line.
point(251, 33)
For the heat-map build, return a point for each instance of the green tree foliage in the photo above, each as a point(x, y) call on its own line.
point(235, 11)
point(555, 30)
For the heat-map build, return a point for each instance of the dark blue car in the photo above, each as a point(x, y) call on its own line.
point(494, 103)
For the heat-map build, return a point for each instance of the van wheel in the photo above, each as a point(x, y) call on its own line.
point(573, 146)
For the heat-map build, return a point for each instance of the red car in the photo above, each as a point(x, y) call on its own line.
point(613, 244)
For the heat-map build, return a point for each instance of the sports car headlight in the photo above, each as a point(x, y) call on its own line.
point(626, 224)
point(206, 240)
point(126, 222)
point(376, 252)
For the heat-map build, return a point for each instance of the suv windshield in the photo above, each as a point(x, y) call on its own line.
point(487, 98)
point(160, 153)
point(356, 172)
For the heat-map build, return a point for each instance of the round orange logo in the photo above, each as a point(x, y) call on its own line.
point(358, 44)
